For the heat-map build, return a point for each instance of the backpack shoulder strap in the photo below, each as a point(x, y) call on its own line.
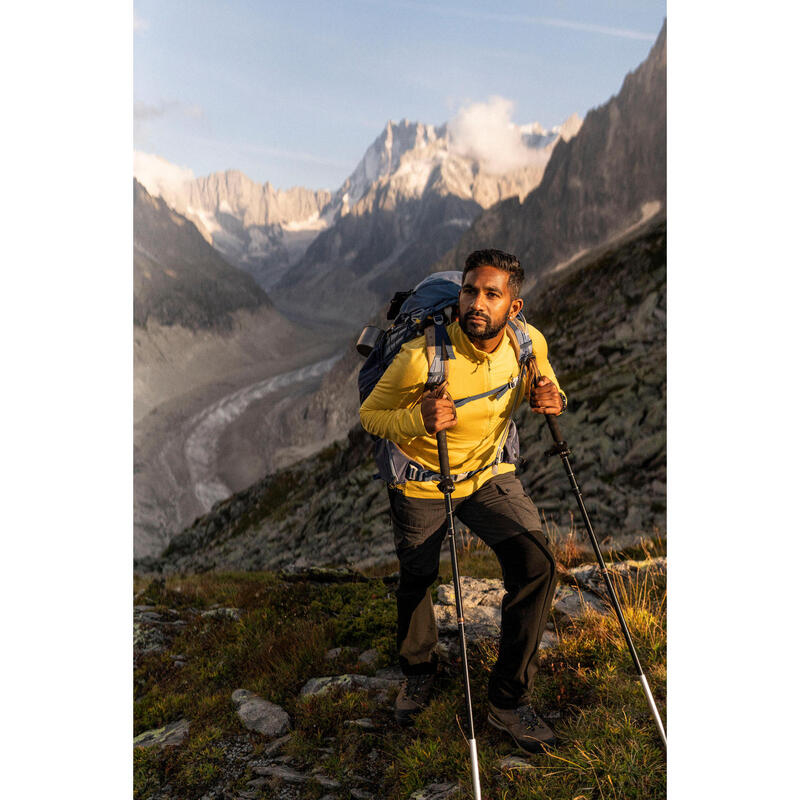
point(438, 350)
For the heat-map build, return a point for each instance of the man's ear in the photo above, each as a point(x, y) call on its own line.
point(516, 307)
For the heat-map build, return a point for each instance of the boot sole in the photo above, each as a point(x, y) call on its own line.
point(536, 746)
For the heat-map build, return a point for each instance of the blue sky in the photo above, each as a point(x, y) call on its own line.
point(295, 92)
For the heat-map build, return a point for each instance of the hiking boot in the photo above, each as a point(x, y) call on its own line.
point(524, 725)
point(414, 695)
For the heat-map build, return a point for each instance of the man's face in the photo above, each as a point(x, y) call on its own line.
point(485, 303)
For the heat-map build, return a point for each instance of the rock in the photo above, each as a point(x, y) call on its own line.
point(393, 673)
point(283, 772)
point(347, 682)
point(360, 794)
point(436, 791)
point(474, 592)
point(169, 735)
point(516, 763)
point(322, 574)
point(364, 723)
point(275, 746)
point(257, 714)
point(481, 599)
point(549, 639)
point(338, 652)
point(369, 658)
point(590, 577)
point(222, 613)
point(574, 602)
point(325, 782)
point(480, 622)
point(148, 638)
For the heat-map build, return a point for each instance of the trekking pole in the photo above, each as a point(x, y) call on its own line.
point(446, 487)
point(560, 449)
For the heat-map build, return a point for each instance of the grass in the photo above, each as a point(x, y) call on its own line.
point(587, 687)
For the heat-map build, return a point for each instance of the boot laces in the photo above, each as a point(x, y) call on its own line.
point(529, 717)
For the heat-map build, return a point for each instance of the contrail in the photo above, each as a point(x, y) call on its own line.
point(551, 22)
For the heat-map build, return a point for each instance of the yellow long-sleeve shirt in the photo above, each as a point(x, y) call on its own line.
point(392, 410)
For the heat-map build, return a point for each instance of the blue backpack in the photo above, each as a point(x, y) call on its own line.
point(427, 310)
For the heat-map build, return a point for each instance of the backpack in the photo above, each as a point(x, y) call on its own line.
point(427, 310)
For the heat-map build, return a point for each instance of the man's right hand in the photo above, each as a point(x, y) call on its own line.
point(438, 411)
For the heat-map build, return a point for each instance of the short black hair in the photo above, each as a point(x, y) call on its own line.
point(499, 260)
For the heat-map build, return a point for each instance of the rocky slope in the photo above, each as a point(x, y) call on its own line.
point(610, 176)
point(407, 203)
point(604, 319)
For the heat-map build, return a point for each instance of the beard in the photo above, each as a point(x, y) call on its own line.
point(489, 332)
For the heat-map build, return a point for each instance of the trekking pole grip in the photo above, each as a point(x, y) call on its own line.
point(554, 429)
point(444, 460)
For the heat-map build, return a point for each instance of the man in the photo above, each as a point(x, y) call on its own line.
point(491, 502)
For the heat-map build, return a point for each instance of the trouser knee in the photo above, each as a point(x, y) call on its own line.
point(525, 559)
point(414, 583)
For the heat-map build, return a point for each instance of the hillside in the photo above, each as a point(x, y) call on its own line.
point(178, 279)
point(605, 324)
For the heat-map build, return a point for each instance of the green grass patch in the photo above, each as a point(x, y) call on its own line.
point(608, 745)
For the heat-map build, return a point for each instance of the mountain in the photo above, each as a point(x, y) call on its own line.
point(255, 226)
point(607, 178)
point(605, 321)
point(409, 200)
point(433, 179)
point(197, 318)
point(177, 278)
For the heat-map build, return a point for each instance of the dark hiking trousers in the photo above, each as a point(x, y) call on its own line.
point(504, 517)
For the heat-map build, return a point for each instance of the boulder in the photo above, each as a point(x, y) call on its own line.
point(169, 735)
point(259, 715)
point(574, 602)
point(349, 682)
point(481, 599)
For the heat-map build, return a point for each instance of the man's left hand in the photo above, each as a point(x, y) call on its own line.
point(545, 398)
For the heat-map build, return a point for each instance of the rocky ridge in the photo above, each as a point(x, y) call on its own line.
point(258, 228)
point(406, 204)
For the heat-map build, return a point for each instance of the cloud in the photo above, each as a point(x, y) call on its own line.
point(139, 23)
point(157, 175)
point(485, 132)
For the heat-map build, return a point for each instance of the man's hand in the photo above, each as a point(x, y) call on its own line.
point(545, 398)
point(438, 411)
